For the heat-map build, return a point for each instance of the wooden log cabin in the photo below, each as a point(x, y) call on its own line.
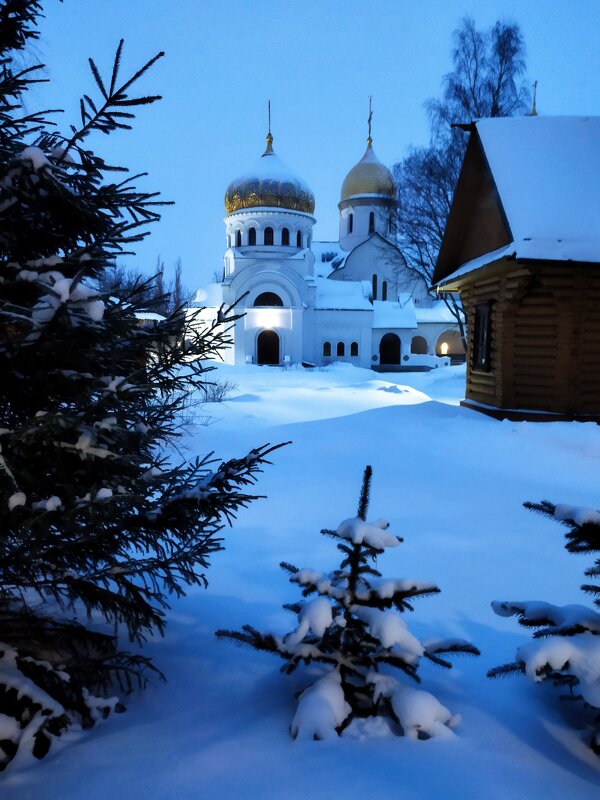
point(522, 247)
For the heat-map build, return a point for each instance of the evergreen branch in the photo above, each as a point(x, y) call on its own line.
point(363, 503)
point(516, 668)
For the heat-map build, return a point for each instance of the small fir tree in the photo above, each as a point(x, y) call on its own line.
point(566, 650)
point(354, 627)
point(98, 522)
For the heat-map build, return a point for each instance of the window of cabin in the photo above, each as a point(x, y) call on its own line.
point(350, 222)
point(268, 236)
point(374, 287)
point(341, 350)
point(384, 290)
point(482, 330)
point(354, 349)
point(372, 222)
point(299, 239)
point(326, 348)
point(268, 299)
point(252, 236)
point(285, 237)
point(238, 239)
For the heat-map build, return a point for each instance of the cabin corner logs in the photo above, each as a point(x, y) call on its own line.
point(544, 338)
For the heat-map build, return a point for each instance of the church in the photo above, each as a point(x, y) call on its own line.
point(313, 303)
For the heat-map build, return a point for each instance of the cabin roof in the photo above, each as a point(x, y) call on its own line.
point(546, 171)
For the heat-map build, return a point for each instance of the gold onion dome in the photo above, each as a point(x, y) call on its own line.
point(369, 176)
point(270, 183)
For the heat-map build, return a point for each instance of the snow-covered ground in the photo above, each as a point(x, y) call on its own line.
point(451, 482)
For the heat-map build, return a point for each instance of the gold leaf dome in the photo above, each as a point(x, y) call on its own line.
point(270, 183)
point(369, 177)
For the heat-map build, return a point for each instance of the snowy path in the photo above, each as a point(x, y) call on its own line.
point(452, 483)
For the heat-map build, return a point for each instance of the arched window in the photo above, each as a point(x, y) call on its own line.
point(269, 236)
point(341, 350)
point(285, 237)
point(354, 349)
point(326, 348)
point(384, 290)
point(350, 222)
point(372, 222)
point(374, 287)
point(252, 236)
point(268, 299)
point(238, 239)
point(299, 239)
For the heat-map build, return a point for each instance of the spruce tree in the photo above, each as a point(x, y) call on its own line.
point(566, 646)
point(354, 628)
point(99, 522)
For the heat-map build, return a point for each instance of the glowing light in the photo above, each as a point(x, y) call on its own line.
point(268, 318)
point(444, 348)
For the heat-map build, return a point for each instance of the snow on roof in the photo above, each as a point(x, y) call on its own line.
point(209, 297)
point(438, 311)
point(328, 257)
point(350, 295)
point(395, 315)
point(547, 172)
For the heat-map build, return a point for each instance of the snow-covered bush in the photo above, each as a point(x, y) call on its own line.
point(566, 646)
point(354, 627)
point(98, 524)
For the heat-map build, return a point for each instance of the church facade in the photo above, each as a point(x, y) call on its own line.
point(312, 302)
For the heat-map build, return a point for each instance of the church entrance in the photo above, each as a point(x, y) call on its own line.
point(267, 348)
point(389, 349)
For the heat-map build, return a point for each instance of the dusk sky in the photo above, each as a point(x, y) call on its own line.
point(317, 61)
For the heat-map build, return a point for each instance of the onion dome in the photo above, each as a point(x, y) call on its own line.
point(369, 177)
point(270, 183)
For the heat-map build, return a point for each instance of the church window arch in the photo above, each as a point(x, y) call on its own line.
point(252, 236)
point(371, 222)
point(285, 237)
point(340, 350)
point(354, 349)
point(350, 222)
point(326, 349)
point(299, 239)
point(374, 287)
point(238, 238)
point(384, 290)
point(268, 299)
point(268, 236)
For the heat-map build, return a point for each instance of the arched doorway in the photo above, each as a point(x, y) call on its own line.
point(267, 348)
point(449, 343)
point(389, 349)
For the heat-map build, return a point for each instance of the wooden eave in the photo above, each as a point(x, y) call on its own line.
point(475, 198)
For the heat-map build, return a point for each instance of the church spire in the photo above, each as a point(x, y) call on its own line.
point(533, 112)
point(369, 120)
point(269, 149)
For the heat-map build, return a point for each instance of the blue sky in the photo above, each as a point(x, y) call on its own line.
point(318, 61)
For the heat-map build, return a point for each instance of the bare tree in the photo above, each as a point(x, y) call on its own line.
point(487, 80)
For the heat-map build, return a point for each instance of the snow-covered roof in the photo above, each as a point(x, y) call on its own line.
point(547, 172)
point(349, 295)
point(438, 311)
point(329, 256)
point(395, 315)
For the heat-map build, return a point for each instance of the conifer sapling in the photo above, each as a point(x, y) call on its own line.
point(354, 627)
point(566, 646)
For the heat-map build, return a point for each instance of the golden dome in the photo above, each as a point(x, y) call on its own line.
point(269, 184)
point(369, 176)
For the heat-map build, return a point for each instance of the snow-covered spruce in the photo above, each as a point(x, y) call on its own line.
point(96, 519)
point(355, 629)
point(566, 650)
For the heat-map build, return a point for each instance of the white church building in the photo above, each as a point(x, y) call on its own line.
point(311, 302)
